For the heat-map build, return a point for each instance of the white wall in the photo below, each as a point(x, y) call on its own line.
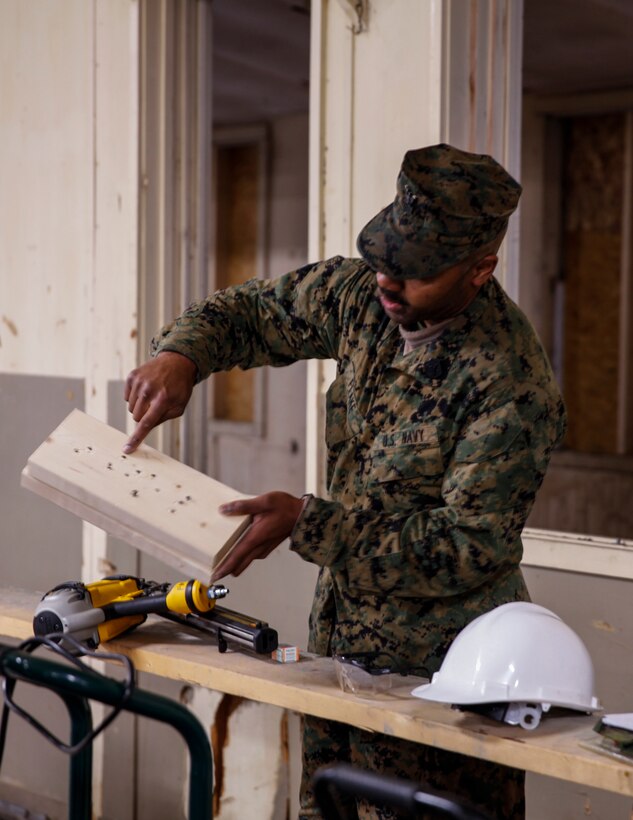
point(68, 249)
point(47, 195)
point(68, 195)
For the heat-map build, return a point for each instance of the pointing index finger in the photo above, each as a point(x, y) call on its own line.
point(145, 426)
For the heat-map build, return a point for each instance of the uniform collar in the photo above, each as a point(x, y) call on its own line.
point(431, 363)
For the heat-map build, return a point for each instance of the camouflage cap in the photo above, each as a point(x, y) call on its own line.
point(448, 203)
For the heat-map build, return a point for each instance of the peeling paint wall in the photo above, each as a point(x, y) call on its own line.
point(250, 777)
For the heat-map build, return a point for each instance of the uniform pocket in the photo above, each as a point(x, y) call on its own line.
point(410, 456)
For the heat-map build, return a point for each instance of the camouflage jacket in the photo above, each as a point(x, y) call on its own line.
point(434, 457)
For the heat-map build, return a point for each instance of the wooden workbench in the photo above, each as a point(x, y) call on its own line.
point(310, 687)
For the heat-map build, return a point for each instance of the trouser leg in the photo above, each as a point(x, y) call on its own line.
point(324, 742)
point(497, 791)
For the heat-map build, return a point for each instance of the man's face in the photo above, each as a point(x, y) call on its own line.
point(410, 302)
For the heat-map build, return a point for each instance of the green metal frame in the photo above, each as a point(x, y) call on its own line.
point(76, 687)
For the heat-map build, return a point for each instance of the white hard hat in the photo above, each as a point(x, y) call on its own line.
point(520, 654)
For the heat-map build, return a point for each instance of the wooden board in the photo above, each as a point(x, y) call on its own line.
point(152, 501)
point(555, 748)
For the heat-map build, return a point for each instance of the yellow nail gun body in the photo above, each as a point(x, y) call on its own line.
point(97, 612)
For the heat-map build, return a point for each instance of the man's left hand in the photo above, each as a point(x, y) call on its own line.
point(274, 516)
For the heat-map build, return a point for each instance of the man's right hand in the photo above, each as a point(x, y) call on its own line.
point(157, 391)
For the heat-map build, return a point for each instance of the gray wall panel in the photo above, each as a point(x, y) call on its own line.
point(40, 544)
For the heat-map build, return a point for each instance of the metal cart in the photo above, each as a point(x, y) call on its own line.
point(76, 687)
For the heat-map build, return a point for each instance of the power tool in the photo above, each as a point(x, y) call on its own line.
point(102, 610)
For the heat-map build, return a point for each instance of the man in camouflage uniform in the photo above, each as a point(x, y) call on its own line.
point(440, 425)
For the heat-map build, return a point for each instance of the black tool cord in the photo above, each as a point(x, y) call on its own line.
point(30, 645)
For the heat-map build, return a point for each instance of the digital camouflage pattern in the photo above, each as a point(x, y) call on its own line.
point(495, 791)
point(434, 460)
point(448, 204)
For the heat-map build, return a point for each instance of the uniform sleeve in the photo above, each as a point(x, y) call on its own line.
point(263, 322)
point(473, 532)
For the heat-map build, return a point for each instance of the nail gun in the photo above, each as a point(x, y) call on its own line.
point(100, 611)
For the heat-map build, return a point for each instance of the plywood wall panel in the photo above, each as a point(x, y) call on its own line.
point(593, 190)
point(238, 240)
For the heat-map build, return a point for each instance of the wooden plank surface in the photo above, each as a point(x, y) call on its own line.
point(154, 502)
point(310, 687)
